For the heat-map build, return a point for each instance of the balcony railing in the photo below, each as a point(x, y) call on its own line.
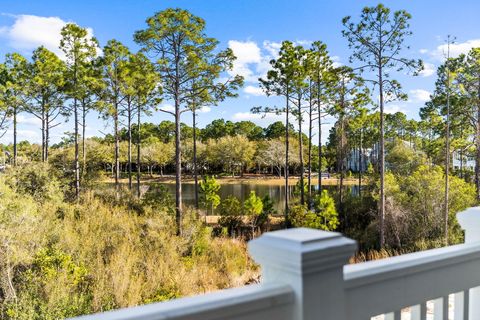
point(305, 277)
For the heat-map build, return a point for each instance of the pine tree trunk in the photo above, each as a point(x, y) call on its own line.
point(43, 131)
point(287, 223)
point(84, 148)
point(47, 135)
point(310, 128)
point(360, 163)
point(382, 160)
point(320, 155)
point(178, 169)
point(129, 160)
point(117, 152)
point(138, 150)
point(195, 172)
point(14, 136)
point(300, 152)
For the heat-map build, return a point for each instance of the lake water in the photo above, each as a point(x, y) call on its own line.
point(242, 190)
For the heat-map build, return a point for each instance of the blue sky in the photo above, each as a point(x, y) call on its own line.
point(253, 29)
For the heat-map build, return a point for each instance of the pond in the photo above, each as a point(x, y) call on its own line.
point(242, 190)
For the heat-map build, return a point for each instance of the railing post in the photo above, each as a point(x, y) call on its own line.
point(470, 222)
point(311, 262)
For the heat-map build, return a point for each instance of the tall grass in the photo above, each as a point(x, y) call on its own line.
point(63, 259)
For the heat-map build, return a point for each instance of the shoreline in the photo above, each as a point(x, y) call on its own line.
point(246, 179)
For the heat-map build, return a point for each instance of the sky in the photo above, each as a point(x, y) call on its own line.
point(253, 29)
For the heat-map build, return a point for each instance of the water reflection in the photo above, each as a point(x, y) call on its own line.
point(242, 190)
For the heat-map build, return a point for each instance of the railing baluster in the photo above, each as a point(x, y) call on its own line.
point(437, 309)
point(466, 304)
point(397, 315)
point(445, 307)
point(461, 306)
point(423, 311)
point(389, 316)
point(419, 312)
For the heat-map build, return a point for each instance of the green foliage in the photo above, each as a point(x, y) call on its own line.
point(36, 180)
point(402, 159)
point(324, 216)
point(253, 205)
point(414, 207)
point(231, 214)
point(73, 259)
point(209, 188)
point(253, 209)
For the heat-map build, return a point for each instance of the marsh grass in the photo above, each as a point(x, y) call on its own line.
point(63, 259)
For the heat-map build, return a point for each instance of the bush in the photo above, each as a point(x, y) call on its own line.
point(63, 260)
point(324, 216)
point(37, 180)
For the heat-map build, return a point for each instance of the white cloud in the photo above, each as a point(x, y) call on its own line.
point(167, 107)
point(419, 95)
point(248, 54)
point(253, 61)
point(272, 47)
point(428, 70)
point(32, 136)
point(455, 49)
point(258, 118)
point(254, 91)
point(393, 108)
point(29, 32)
point(336, 61)
point(205, 109)
point(423, 51)
point(21, 119)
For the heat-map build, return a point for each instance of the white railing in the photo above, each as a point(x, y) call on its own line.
point(305, 277)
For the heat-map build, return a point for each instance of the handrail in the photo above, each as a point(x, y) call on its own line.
point(387, 285)
point(254, 300)
point(305, 277)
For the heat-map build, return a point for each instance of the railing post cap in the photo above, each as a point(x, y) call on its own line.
point(302, 250)
point(469, 218)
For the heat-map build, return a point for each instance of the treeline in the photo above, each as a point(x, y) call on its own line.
point(186, 67)
point(179, 63)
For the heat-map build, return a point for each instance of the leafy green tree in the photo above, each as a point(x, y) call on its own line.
point(356, 127)
point(377, 41)
point(80, 50)
point(217, 129)
point(348, 95)
point(281, 80)
point(144, 93)
point(114, 64)
point(320, 74)
point(209, 189)
point(249, 130)
point(326, 214)
point(232, 152)
point(230, 210)
point(468, 79)
point(206, 89)
point(44, 88)
point(139, 87)
point(178, 39)
point(3, 106)
point(253, 208)
point(403, 159)
point(12, 88)
point(276, 130)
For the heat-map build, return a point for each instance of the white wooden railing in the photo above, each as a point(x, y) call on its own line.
point(305, 277)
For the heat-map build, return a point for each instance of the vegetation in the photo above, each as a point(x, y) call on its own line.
point(77, 237)
point(64, 259)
